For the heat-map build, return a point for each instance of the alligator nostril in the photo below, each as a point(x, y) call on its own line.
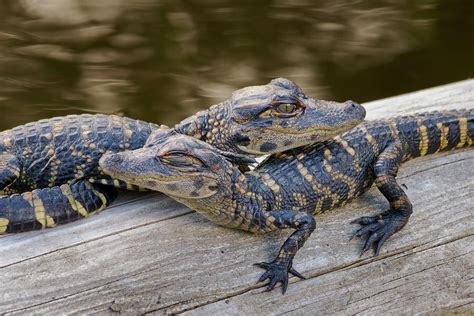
point(115, 158)
point(353, 104)
point(355, 109)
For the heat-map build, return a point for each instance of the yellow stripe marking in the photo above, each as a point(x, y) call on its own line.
point(103, 199)
point(28, 196)
point(462, 132)
point(327, 166)
point(336, 175)
point(327, 154)
point(370, 139)
point(128, 133)
point(40, 212)
point(424, 142)
point(300, 199)
point(269, 182)
point(394, 129)
point(443, 140)
point(304, 172)
point(76, 205)
point(267, 179)
point(316, 187)
point(349, 150)
point(7, 142)
point(58, 128)
point(3, 225)
point(345, 145)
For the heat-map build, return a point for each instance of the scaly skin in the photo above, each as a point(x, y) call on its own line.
point(286, 190)
point(272, 118)
point(64, 151)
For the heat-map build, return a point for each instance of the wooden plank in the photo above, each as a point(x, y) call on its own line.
point(153, 255)
point(458, 95)
point(117, 218)
point(408, 282)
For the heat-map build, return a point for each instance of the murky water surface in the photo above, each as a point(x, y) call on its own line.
point(163, 60)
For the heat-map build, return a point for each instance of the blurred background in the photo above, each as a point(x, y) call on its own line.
point(162, 61)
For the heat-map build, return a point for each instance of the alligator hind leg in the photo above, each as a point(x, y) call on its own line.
point(278, 269)
point(48, 207)
point(9, 169)
point(380, 227)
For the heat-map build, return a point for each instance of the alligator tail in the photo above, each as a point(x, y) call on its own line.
point(441, 131)
point(43, 208)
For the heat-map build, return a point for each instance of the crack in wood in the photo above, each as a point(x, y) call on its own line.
point(412, 251)
point(98, 238)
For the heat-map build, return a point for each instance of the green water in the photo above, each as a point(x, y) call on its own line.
point(164, 60)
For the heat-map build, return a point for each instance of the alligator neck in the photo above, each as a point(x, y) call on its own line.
point(211, 126)
point(235, 197)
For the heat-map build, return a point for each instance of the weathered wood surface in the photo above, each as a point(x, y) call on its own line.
point(148, 254)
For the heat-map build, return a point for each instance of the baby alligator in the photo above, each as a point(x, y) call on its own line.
point(58, 157)
point(288, 188)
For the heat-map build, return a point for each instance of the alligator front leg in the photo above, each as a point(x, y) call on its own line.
point(380, 227)
point(278, 269)
point(9, 169)
point(43, 208)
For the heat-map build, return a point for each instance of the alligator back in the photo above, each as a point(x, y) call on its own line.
point(63, 149)
point(328, 175)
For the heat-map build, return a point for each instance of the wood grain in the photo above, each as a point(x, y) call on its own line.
point(149, 254)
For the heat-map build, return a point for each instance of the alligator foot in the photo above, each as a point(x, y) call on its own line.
point(378, 228)
point(277, 271)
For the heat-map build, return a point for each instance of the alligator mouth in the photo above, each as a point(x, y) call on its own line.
point(306, 137)
point(250, 151)
point(151, 181)
point(161, 185)
point(144, 178)
point(312, 130)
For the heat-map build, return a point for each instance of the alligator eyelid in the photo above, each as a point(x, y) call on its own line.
point(166, 156)
point(299, 99)
point(182, 154)
point(302, 96)
point(288, 99)
point(263, 110)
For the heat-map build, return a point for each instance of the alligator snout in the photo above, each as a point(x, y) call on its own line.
point(114, 158)
point(110, 159)
point(355, 109)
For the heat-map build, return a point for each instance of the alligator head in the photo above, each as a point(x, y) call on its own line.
point(177, 165)
point(271, 118)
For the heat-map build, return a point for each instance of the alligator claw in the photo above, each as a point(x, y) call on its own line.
point(277, 271)
point(296, 274)
point(378, 229)
point(263, 265)
point(365, 220)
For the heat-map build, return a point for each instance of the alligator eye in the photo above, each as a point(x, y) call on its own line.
point(181, 161)
point(285, 109)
